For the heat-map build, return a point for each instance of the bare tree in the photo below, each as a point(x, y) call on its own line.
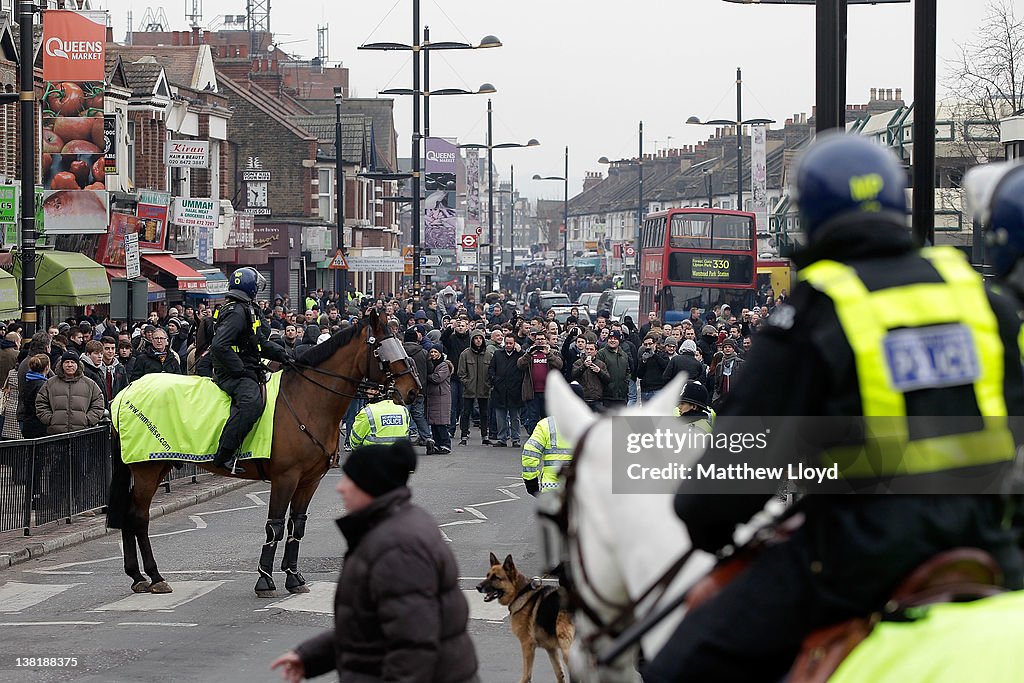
point(987, 80)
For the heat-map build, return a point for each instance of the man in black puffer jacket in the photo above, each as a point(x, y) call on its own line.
point(399, 614)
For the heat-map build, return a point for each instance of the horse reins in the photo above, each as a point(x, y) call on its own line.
point(625, 611)
point(373, 345)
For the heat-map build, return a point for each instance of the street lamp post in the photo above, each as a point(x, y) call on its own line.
point(512, 221)
point(490, 147)
point(341, 275)
point(565, 210)
point(708, 181)
point(738, 123)
point(416, 47)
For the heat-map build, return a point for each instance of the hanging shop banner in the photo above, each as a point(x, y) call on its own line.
point(187, 153)
point(9, 214)
point(241, 232)
point(152, 214)
point(110, 250)
point(110, 143)
point(73, 45)
point(759, 174)
point(439, 216)
point(197, 213)
point(204, 245)
point(376, 263)
point(74, 212)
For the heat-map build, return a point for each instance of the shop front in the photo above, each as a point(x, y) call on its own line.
point(10, 304)
point(65, 281)
point(178, 279)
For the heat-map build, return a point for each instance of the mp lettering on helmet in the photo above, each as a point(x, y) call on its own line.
point(865, 189)
point(238, 277)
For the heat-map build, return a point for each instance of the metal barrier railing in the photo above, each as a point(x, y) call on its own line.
point(57, 477)
point(54, 477)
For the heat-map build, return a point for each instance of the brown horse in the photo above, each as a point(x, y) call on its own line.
point(314, 395)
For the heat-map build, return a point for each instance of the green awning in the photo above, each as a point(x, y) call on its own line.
point(9, 302)
point(67, 278)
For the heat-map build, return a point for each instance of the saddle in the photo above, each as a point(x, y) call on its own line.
point(955, 575)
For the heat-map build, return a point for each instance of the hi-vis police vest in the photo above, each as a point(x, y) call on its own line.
point(545, 453)
point(254, 320)
point(384, 422)
point(915, 337)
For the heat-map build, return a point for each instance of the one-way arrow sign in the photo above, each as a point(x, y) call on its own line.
point(431, 260)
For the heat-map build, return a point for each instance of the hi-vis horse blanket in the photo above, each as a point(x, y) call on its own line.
point(177, 417)
point(952, 643)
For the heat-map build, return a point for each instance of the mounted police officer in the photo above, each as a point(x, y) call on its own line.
point(240, 339)
point(877, 335)
point(382, 421)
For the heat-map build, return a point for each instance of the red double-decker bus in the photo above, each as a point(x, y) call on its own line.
point(697, 257)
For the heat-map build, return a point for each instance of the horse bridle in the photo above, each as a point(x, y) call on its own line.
point(386, 350)
point(562, 520)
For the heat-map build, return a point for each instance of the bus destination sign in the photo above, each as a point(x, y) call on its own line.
point(711, 268)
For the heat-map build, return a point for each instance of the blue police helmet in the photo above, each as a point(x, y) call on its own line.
point(248, 281)
point(841, 176)
point(995, 198)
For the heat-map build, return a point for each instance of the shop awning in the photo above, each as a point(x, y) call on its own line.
point(67, 278)
point(154, 292)
point(188, 279)
point(9, 301)
point(216, 282)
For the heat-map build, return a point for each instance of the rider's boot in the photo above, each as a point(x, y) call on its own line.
point(224, 459)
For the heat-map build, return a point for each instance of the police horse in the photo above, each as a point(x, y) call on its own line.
point(629, 557)
point(313, 397)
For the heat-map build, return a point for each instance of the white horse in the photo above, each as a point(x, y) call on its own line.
point(619, 544)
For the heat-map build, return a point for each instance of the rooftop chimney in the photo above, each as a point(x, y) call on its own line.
point(899, 93)
point(874, 94)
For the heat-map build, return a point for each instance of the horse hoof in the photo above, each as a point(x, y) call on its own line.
point(301, 588)
point(141, 587)
point(160, 587)
point(266, 594)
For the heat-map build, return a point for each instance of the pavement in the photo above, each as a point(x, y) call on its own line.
point(75, 601)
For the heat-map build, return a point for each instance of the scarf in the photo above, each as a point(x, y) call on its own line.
point(32, 375)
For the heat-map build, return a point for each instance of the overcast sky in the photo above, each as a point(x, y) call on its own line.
point(583, 73)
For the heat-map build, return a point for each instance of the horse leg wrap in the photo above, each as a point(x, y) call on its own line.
point(290, 562)
point(275, 532)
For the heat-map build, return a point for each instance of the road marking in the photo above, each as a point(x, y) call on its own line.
point(156, 623)
point(196, 519)
point(50, 623)
point(55, 568)
point(255, 497)
point(205, 571)
point(485, 611)
point(184, 592)
point(217, 512)
point(463, 521)
point(319, 599)
point(495, 502)
point(476, 513)
point(445, 536)
point(16, 596)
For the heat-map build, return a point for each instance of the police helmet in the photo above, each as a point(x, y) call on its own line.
point(248, 281)
point(842, 176)
point(696, 393)
point(995, 198)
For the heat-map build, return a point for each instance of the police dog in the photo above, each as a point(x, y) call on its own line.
point(537, 617)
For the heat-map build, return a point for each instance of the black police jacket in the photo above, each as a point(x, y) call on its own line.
point(240, 339)
point(803, 365)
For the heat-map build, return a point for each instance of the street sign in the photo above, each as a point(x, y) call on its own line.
point(630, 252)
point(468, 241)
point(131, 255)
point(338, 262)
point(431, 260)
point(428, 271)
point(479, 231)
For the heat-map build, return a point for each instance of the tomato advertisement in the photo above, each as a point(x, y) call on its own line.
point(74, 45)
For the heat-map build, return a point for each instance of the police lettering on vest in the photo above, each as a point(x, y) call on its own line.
point(384, 422)
point(545, 453)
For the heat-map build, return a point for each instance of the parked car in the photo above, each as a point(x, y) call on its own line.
point(626, 305)
point(609, 296)
point(590, 300)
point(549, 299)
point(562, 313)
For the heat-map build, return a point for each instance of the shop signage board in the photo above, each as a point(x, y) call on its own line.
point(376, 263)
point(187, 153)
point(133, 268)
point(194, 212)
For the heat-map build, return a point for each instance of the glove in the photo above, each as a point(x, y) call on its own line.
point(532, 486)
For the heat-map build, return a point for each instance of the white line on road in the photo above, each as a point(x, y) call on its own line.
point(463, 521)
point(198, 521)
point(475, 513)
point(319, 599)
point(485, 611)
point(495, 502)
point(184, 592)
point(156, 623)
point(50, 623)
point(16, 596)
point(255, 497)
point(205, 571)
point(217, 512)
point(54, 569)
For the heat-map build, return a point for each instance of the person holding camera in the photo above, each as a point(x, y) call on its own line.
point(537, 362)
point(593, 376)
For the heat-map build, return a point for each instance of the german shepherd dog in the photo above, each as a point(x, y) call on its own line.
point(537, 617)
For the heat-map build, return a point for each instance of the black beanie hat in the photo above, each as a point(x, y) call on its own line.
point(381, 468)
point(71, 355)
